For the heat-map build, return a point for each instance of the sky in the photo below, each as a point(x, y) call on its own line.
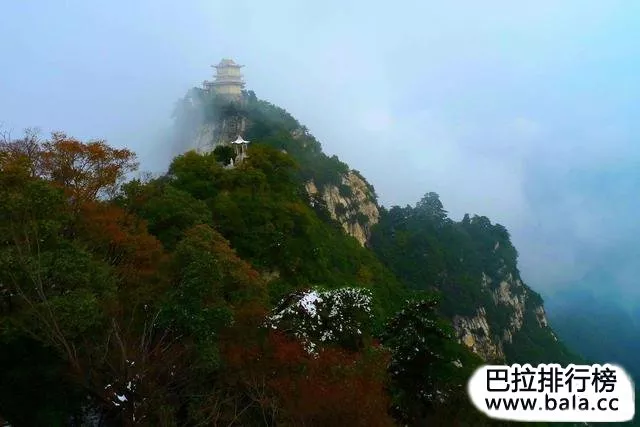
point(521, 111)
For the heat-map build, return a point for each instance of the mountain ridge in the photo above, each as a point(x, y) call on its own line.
point(177, 299)
point(359, 215)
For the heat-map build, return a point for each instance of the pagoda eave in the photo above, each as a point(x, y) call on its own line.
point(227, 84)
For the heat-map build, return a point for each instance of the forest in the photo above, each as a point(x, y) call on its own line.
point(210, 295)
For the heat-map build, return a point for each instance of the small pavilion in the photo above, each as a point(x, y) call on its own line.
point(240, 146)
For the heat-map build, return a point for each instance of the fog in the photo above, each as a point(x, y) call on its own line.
point(521, 112)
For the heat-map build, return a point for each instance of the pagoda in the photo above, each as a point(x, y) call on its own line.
point(228, 81)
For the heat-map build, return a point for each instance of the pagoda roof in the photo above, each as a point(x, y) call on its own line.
point(227, 63)
point(239, 140)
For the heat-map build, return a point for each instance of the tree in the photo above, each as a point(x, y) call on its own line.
point(168, 211)
point(24, 153)
point(213, 289)
point(321, 318)
point(431, 206)
point(88, 294)
point(427, 366)
point(224, 154)
point(285, 385)
point(85, 171)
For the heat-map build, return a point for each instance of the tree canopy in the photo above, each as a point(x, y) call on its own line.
point(220, 296)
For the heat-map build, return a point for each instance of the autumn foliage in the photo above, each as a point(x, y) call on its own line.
point(84, 170)
point(77, 271)
point(290, 386)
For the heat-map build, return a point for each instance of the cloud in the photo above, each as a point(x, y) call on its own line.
point(506, 109)
point(376, 121)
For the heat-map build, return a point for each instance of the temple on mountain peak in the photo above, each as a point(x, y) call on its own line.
point(228, 81)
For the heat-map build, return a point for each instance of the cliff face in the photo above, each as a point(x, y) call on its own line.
point(347, 197)
point(209, 135)
point(352, 205)
point(477, 335)
point(204, 121)
point(509, 299)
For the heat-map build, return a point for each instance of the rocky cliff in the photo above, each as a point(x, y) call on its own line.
point(204, 121)
point(352, 204)
point(347, 197)
point(509, 298)
point(209, 135)
point(472, 266)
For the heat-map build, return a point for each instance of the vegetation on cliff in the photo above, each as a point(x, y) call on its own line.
point(467, 263)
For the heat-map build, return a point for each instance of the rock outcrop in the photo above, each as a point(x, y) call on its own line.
point(475, 333)
point(195, 130)
point(353, 205)
point(488, 337)
point(225, 130)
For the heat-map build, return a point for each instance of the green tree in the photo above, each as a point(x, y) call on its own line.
point(428, 368)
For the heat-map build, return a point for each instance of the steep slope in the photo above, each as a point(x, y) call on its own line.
point(352, 204)
point(262, 209)
point(206, 121)
point(472, 263)
point(289, 209)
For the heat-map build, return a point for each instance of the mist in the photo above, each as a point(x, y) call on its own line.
point(524, 113)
